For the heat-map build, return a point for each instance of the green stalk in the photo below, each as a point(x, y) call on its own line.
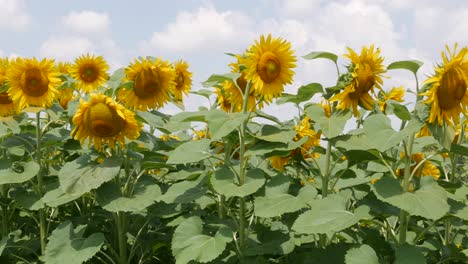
point(404, 216)
point(5, 230)
point(40, 185)
point(243, 163)
point(121, 218)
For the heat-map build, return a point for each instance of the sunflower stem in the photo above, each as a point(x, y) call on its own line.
point(40, 185)
point(404, 216)
point(243, 169)
point(121, 218)
point(4, 195)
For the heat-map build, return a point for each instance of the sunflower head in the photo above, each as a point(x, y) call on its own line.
point(32, 82)
point(268, 64)
point(304, 130)
point(395, 94)
point(364, 74)
point(222, 99)
point(447, 95)
point(427, 169)
point(64, 67)
point(90, 72)
point(152, 81)
point(279, 162)
point(102, 120)
point(183, 80)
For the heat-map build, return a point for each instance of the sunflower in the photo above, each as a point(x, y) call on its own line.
point(183, 80)
point(102, 120)
point(395, 94)
point(364, 73)
point(90, 71)
point(65, 94)
point(428, 169)
point(279, 162)
point(325, 104)
point(32, 82)
point(234, 91)
point(152, 80)
point(268, 64)
point(7, 106)
point(447, 95)
point(222, 99)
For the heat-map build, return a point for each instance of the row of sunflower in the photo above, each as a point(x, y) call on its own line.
point(315, 188)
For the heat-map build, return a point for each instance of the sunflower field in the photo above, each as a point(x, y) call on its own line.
point(91, 170)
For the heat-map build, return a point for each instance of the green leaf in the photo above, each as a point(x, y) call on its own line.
point(224, 182)
point(220, 123)
point(203, 92)
point(363, 254)
point(196, 116)
point(461, 149)
point(189, 243)
point(407, 254)
point(443, 134)
point(27, 198)
point(430, 201)
point(17, 172)
point(277, 200)
point(68, 246)
point(399, 110)
point(83, 175)
point(410, 65)
point(57, 197)
point(270, 242)
point(145, 193)
point(191, 151)
point(333, 126)
point(321, 55)
point(264, 147)
point(3, 244)
point(380, 133)
point(275, 134)
point(304, 94)
point(185, 192)
point(217, 79)
point(56, 136)
point(327, 216)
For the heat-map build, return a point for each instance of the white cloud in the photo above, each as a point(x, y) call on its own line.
point(299, 7)
point(203, 29)
point(13, 16)
point(87, 22)
point(66, 48)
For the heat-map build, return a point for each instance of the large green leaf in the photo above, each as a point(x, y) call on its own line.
point(363, 254)
point(191, 151)
point(380, 133)
point(334, 125)
point(225, 182)
point(185, 191)
point(278, 201)
point(27, 198)
point(321, 55)
point(410, 65)
point(83, 175)
point(272, 133)
point(217, 79)
point(68, 246)
point(57, 197)
point(17, 172)
point(328, 215)
point(407, 254)
point(145, 193)
point(220, 123)
point(304, 94)
point(189, 243)
point(430, 201)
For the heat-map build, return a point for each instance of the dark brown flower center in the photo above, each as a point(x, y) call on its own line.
point(146, 84)
point(180, 80)
point(452, 90)
point(5, 99)
point(269, 67)
point(364, 82)
point(104, 121)
point(89, 73)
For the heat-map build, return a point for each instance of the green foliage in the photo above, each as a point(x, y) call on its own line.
point(363, 254)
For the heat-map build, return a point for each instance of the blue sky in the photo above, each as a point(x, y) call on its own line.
point(201, 31)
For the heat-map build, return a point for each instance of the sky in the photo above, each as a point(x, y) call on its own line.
point(201, 32)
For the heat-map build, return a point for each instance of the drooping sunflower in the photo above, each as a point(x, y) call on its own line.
point(65, 94)
point(234, 91)
point(447, 94)
point(364, 74)
point(395, 94)
point(152, 81)
point(222, 99)
point(183, 80)
point(268, 64)
point(7, 106)
point(90, 71)
point(102, 120)
point(32, 82)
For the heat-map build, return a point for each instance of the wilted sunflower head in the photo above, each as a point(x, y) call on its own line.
point(304, 130)
point(222, 99)
point(268, 64)
point(102, 120)
point(364, 74)
point(447, 95)
point(90, 71)
point(152, 80)
point(395, 94)
point(183, 80)
point(32, 82)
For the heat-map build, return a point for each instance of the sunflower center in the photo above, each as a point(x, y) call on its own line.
point(451, 91)
point(146, 84)
point(89, 73)
point(104, 121)
point(5, 99)
point(269, 67)
point(36, 83)
point(180, 80)
point(242, 82)
point(365, 81)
